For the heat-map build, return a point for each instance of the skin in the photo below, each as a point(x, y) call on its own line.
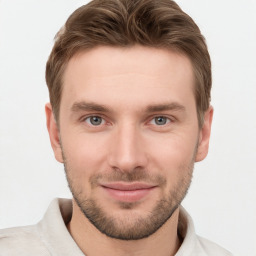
point(133, 84)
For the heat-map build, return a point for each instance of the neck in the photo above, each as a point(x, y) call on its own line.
point(92, 242)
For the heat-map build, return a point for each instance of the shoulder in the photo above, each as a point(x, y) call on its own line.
point(210, 248)
point(22, 241)
point(193, 244)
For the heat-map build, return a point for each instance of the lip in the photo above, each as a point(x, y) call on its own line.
point(128, 192)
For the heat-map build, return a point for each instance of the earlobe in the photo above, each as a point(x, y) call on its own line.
point(53, 131)
point(204, 136)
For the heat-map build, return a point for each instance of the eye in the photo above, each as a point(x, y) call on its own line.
point(160, 120)
point(95, 120)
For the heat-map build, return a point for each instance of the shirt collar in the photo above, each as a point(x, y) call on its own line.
point(53, 229)
point(55, 236)
point(187, 232)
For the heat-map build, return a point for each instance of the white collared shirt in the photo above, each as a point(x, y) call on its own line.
point(50, 236)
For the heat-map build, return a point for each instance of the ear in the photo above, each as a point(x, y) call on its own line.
point(204, 135)
point(53, 131)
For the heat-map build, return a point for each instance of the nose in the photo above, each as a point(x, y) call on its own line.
point(127, 150)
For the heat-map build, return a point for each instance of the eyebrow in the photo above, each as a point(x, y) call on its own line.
point(166, 106)
point(91, 106)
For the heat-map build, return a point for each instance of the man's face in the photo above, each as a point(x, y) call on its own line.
point(129, 136)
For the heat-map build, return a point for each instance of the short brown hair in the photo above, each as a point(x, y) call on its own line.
point(123, 23)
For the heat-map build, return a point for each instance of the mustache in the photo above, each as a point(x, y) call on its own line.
point(136, 175)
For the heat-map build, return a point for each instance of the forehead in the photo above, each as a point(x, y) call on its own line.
point(133, 76)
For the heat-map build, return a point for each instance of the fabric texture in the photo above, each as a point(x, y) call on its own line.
point(50, 236)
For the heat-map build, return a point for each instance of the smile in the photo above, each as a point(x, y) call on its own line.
point(128, 192)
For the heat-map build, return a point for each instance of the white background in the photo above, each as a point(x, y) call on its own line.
point(222, 199)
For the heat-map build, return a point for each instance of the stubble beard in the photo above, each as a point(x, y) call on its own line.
point(131, 226)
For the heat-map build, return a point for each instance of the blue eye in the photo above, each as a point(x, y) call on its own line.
point(94, 120)
point(160, 120)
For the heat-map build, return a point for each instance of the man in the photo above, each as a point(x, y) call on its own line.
point(129, 114)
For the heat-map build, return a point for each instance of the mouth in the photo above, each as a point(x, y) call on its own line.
point(128, 192)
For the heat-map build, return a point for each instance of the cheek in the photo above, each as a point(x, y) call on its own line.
point(174, 160)
point(172, 153)
point(84, 153)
